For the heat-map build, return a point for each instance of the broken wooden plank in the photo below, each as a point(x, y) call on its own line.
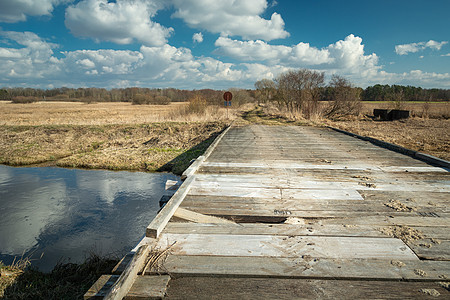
point(195, 217)
point(431, 249)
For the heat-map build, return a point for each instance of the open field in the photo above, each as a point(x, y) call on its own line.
point(440, 110)
point(104, 113)
point(116, 136)
point(122, 136)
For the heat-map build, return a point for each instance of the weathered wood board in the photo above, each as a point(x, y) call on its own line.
point(286, 246)
point(302, 207)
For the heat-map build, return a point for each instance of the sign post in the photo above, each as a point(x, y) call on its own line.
point(227, 96)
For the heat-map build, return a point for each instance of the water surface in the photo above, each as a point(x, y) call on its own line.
point(63, 214)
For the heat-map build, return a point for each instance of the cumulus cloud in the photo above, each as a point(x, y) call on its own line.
point(231, 18)
point(121, 22)
point(34, 64)
point(405, 49)
point(448, 54)
point(34, 60)
point(15, 11)
point(197, 37)
point(347, 54)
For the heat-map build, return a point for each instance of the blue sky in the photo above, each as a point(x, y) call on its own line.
point(193, 44)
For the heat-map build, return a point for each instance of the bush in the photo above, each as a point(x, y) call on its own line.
point(197, 104)
point(140, 99)
point(161, 100)
point(24, 100)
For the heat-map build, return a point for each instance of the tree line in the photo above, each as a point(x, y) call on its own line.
point(295, 90)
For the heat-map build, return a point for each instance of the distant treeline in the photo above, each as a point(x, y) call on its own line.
point(165, 96)
point(134, 94)
point(387, 92)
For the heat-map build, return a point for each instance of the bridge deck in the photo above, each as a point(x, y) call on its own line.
point(298, 209)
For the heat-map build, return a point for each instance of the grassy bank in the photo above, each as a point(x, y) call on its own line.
point(66, 281)
point(144, 147)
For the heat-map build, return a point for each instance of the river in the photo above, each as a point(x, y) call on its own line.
point(56, 215)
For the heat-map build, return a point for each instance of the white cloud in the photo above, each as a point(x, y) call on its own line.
point(121, 22)
point(346, 54)
point(197, 37)
point(231, 18)
point(416, 47)
point(34, 64)
point(34, 60)
point(14, 11)
point(448, 54)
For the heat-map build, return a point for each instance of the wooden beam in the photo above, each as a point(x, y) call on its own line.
point(128, 276)
point(195, 217)
point(162, 218)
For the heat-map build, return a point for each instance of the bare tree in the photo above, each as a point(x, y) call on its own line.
point(266, 90)
point(345, 98)
point(299, 88)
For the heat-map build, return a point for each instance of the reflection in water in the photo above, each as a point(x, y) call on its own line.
point(66, 213)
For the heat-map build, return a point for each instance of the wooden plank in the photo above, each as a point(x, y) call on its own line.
point(293, 186)
point(288, 288)
point(123, 263)
point(286, 246)
point(410, 220)
point(274, 229)
point(307, 267)
point(199, 218)
point(313, 205)
point(128, 276)
point(297, 213)
point(431, 249)
point(101, 287)
point(148, 287)
point(163, 217)
point(275, 193)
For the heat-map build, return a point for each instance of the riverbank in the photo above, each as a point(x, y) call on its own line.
point(165, 146)
point(66, 281)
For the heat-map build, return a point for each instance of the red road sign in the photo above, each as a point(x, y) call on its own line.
point(227, 96)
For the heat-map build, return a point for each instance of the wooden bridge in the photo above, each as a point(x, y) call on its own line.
point(277, 212)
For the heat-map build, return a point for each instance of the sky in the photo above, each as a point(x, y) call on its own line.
point(220, 44)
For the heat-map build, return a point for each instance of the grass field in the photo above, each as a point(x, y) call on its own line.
point(421, 109)
point(116, 136)
point(122, 136)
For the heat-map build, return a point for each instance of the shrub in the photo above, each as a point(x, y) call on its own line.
point(197, 104)
point(24, 100)
point(161, 100)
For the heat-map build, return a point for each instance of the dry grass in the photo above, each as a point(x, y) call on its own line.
point(116, 136)
point(105, 113)
point(145, 147)
point(440, 110)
